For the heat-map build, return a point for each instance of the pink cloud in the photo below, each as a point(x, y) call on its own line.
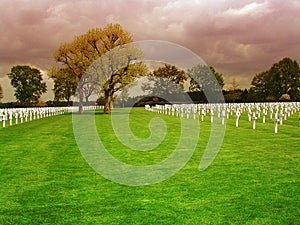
point(239, 38)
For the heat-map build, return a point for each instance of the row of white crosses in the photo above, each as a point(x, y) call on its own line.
point(11, 116)
point(278, 112)
point(192, 111)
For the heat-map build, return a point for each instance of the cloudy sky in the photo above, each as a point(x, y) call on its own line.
point(238, 37)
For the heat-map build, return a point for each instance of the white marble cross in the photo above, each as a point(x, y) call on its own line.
point(21, 116)
point(254, 118)
point(203, 114)
point(265, 113)
point(2, 118)
point(223, 115)
point(10, 117)
point(195, 112)
point(237, 118)
point(211, 115)
point(188, 112)
point(276, 125)
point(16, 117)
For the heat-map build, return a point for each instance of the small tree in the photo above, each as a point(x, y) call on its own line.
point(28, 83)
point(234, 93)
point(234, 85)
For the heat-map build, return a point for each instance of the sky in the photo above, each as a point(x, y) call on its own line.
point(240, 38)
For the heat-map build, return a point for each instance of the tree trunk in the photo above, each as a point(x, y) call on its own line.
point(108, 94)
point(80, 100)
point(68, 101)
point(86, 100)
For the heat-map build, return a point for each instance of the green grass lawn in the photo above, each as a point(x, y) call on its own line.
point(255, 178)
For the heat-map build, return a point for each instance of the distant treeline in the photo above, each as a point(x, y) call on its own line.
point(234, 96)
point(30, 105)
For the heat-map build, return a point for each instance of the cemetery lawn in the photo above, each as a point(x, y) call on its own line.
point(254, 179)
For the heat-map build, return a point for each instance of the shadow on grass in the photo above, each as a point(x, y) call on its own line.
point(88, 113)
point(118, 111)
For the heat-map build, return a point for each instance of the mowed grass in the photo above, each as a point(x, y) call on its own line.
point(253, 180)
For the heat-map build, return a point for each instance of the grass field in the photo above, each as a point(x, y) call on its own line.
point(254, 179)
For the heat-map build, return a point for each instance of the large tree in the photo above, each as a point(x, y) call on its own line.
point(201, 77)
point(282, 78)
point(167, 81)
point(260, 90)
point(205, 84)
point(83, 51)
point(65, 83)
point(122, 69)
point(27, 82)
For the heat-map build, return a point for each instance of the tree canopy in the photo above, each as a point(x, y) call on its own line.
point(103, 61)
point(205, 84)
point(167, 81)
point(65, 83)
point(282, 78)
point(27, 82)
point(85, 49)
point(201, 77)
